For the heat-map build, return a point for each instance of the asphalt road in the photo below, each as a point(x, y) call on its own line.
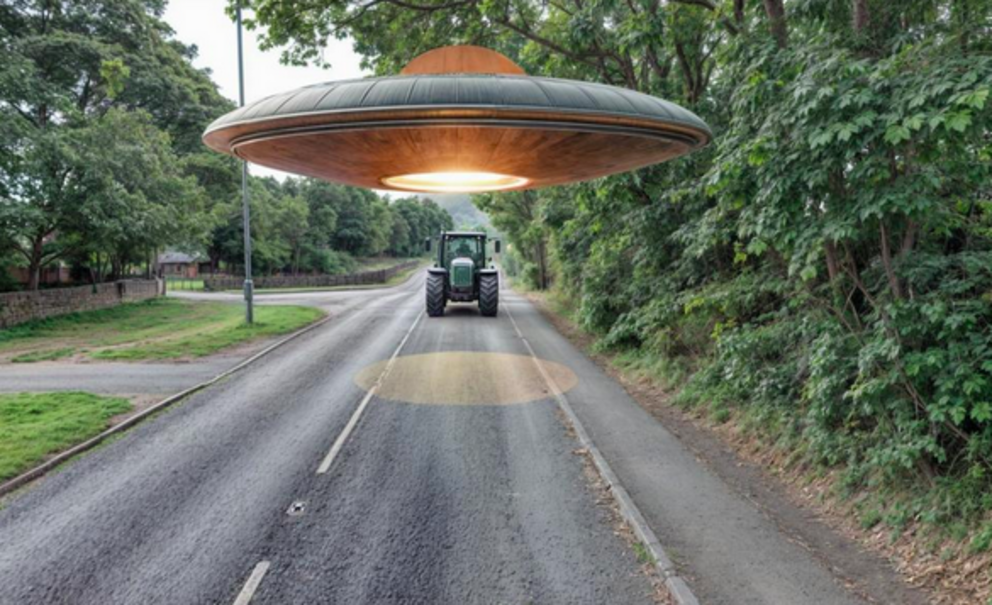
point(424, 504)
point(458, 483)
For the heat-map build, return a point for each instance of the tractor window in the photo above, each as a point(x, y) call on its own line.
point(466, 247)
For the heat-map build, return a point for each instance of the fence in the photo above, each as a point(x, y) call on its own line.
point(19, 307)
point(184, 283)
point(379, 276)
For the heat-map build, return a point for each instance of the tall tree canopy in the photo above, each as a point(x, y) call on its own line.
point(69, 71)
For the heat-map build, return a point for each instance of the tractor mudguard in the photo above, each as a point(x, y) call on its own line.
point(437, 270)
point(488, 271)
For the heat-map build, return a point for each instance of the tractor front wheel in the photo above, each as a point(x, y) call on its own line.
point(489, 295)
point(435, 295)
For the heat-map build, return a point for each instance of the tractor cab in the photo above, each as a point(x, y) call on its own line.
point(460, 273)
point(463, 253)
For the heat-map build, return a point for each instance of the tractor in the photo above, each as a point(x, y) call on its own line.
point(460, 273)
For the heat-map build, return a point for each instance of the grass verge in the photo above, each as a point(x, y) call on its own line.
point(44, 355)
point(35, 425)
point(157, 329)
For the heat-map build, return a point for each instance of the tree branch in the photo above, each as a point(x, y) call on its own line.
point(703, 3)
point(427, 7)
point(526, 33)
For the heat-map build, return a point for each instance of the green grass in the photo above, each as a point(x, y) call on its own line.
point(642, 553)
point(157, 329)
point(34, 425)
point(44, 355)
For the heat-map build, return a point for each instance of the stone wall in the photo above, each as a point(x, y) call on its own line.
point(19, 307)
point(380, 276)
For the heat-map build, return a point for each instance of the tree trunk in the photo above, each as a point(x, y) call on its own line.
point(862, 16)
point(99, 268)
point(542, 265)
point(739, 13)
point(34, 264)
point(776, 16)
point(34, 277)
point(833, 270)
point(890, 273)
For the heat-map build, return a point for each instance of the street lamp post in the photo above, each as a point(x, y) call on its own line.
point(245, 208)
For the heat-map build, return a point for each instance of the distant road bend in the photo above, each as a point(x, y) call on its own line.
point(388, 457)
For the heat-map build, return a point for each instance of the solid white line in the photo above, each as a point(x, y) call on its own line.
point(325, 465)
point(677, 587)
point(248, 591)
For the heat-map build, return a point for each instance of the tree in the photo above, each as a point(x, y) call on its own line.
point(294, 226)
point(136, 195)
point(64, 65)
point(414, 220)
point(518, 215)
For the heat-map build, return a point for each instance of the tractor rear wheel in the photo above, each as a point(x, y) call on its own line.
point(435, 295)
point(489, 295)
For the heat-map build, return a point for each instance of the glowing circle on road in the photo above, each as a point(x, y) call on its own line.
point(467, 378)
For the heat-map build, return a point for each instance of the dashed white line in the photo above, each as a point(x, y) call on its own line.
point(325, 465)
point(248, 591)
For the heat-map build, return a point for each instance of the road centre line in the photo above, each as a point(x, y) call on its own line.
point(251, 585)
point(325, 465)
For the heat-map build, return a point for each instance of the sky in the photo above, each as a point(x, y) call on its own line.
point(204, 23)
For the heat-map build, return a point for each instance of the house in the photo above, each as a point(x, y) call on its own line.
point(181, 264)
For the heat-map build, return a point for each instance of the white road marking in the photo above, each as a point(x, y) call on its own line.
point(248, 591)
point(548, 380)
point(677, 587)
point(325, 465)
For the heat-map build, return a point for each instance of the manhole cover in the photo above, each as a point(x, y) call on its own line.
point(296, 508)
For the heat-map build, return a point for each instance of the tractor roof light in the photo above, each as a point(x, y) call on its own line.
point(458, 119)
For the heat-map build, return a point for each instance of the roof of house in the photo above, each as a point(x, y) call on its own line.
point(173, 257)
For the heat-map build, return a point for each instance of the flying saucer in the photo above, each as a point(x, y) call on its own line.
point(458, 119)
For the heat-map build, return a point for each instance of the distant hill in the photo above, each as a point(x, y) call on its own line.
point(460, 207)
